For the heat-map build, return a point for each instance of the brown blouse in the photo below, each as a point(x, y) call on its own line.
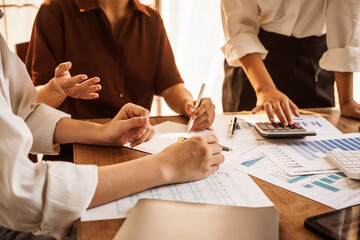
point(132, 67)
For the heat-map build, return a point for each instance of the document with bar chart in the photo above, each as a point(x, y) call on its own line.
point(224, 187)
point(334, 190)
point(308, 156)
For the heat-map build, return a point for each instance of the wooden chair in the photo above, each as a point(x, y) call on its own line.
point(21, 50)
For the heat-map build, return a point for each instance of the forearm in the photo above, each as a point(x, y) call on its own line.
point(50, 95)
point(123, 179)
point(176, 97)
point(76, 131)
point(344, 84)
point(257, 73)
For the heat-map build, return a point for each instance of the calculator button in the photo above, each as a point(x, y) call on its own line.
point(347, 161)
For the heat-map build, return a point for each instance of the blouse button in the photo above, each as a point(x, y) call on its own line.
point(121, 95)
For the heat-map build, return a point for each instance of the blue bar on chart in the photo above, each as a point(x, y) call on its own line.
point(328, 144)
point(316, 146)
point(297, 179)
point(322, 145)
point(327, 180)
point(252, 161)
point(357, 147)
point(308, 186)
point(338, 145)
point(326, 186)
point(344, 144)
point(303, 151)
point(334, 177)
point(305, 144)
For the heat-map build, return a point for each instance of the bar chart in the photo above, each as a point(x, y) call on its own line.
point(308, 157)
point(334, 189)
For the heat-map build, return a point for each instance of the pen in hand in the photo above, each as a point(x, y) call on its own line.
point(226, 149)
point(197, 103)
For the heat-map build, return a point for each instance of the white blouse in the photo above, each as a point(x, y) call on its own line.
point(45, 197)
point(339, 19)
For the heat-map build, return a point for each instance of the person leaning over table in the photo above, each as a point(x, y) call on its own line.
point(47, 197)
point(122, 42)
point(273, 50)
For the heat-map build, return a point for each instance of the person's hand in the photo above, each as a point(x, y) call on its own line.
point(78, 86)
point(273, 100)
point(131, 124)
point(203, 116)
point(350, 109)
point(192, 159)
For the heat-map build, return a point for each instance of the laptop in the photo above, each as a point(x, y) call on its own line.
point(153, 219)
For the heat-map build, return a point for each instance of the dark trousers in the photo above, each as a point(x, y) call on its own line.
point(66, 154)
point(7, 234)
point(293, 64)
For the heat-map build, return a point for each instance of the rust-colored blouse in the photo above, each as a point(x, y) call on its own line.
point(132, 67)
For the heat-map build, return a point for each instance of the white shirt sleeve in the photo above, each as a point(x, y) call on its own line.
point(45, 197)
point(241, 27)
point(343, 36)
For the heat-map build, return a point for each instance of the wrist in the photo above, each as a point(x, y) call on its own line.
point(165, 170)
point(265, 88)
point(54, 86)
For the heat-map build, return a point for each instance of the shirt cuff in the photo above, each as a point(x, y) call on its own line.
point(241, 45)
point(42, 122)
point(69, 191)
point(341, 60)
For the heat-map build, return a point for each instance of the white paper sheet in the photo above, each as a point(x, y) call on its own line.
point(167, 133)
point(334, 190)
point(225, 187)
point(308, 156)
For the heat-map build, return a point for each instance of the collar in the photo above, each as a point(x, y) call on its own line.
point(88, 5)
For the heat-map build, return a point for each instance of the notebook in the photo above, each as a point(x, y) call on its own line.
point(153, 219)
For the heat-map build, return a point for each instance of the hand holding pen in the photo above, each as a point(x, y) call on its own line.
point(226, 149)
point(201, 113)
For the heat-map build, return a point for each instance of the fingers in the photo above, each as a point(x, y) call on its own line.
point(131, 110)
point(62, 69)
point(269, 111)
point(190, 108)
point(294, 109)
point(204, 116)
point(136, 122)
point(145, 135)
point(258, 109)
point(76, 87)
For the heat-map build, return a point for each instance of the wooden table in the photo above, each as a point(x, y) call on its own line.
point(293, 208)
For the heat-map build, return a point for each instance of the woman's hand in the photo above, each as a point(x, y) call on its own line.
point(272, 100)
point(192, 159)
point(203, 116)
point(131, 124)
point(78, 86)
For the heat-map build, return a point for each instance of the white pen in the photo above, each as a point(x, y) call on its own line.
point(191, 122)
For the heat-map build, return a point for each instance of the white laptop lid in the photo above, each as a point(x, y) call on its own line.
point(153, 219)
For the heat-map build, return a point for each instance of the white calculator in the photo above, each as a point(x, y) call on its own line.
point(347, 161)
point(277, 130)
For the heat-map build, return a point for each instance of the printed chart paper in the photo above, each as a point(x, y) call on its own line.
point(224, 187)
point(308, 156)
point(334, 190)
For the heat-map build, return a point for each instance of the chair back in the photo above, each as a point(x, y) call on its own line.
point(21, 50)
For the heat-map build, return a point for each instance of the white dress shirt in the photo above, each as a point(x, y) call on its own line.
point(339, 19)
point(45, 197)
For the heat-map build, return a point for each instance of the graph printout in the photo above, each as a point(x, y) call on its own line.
point(224, 187)
point(308, 156)
point(334, 190)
